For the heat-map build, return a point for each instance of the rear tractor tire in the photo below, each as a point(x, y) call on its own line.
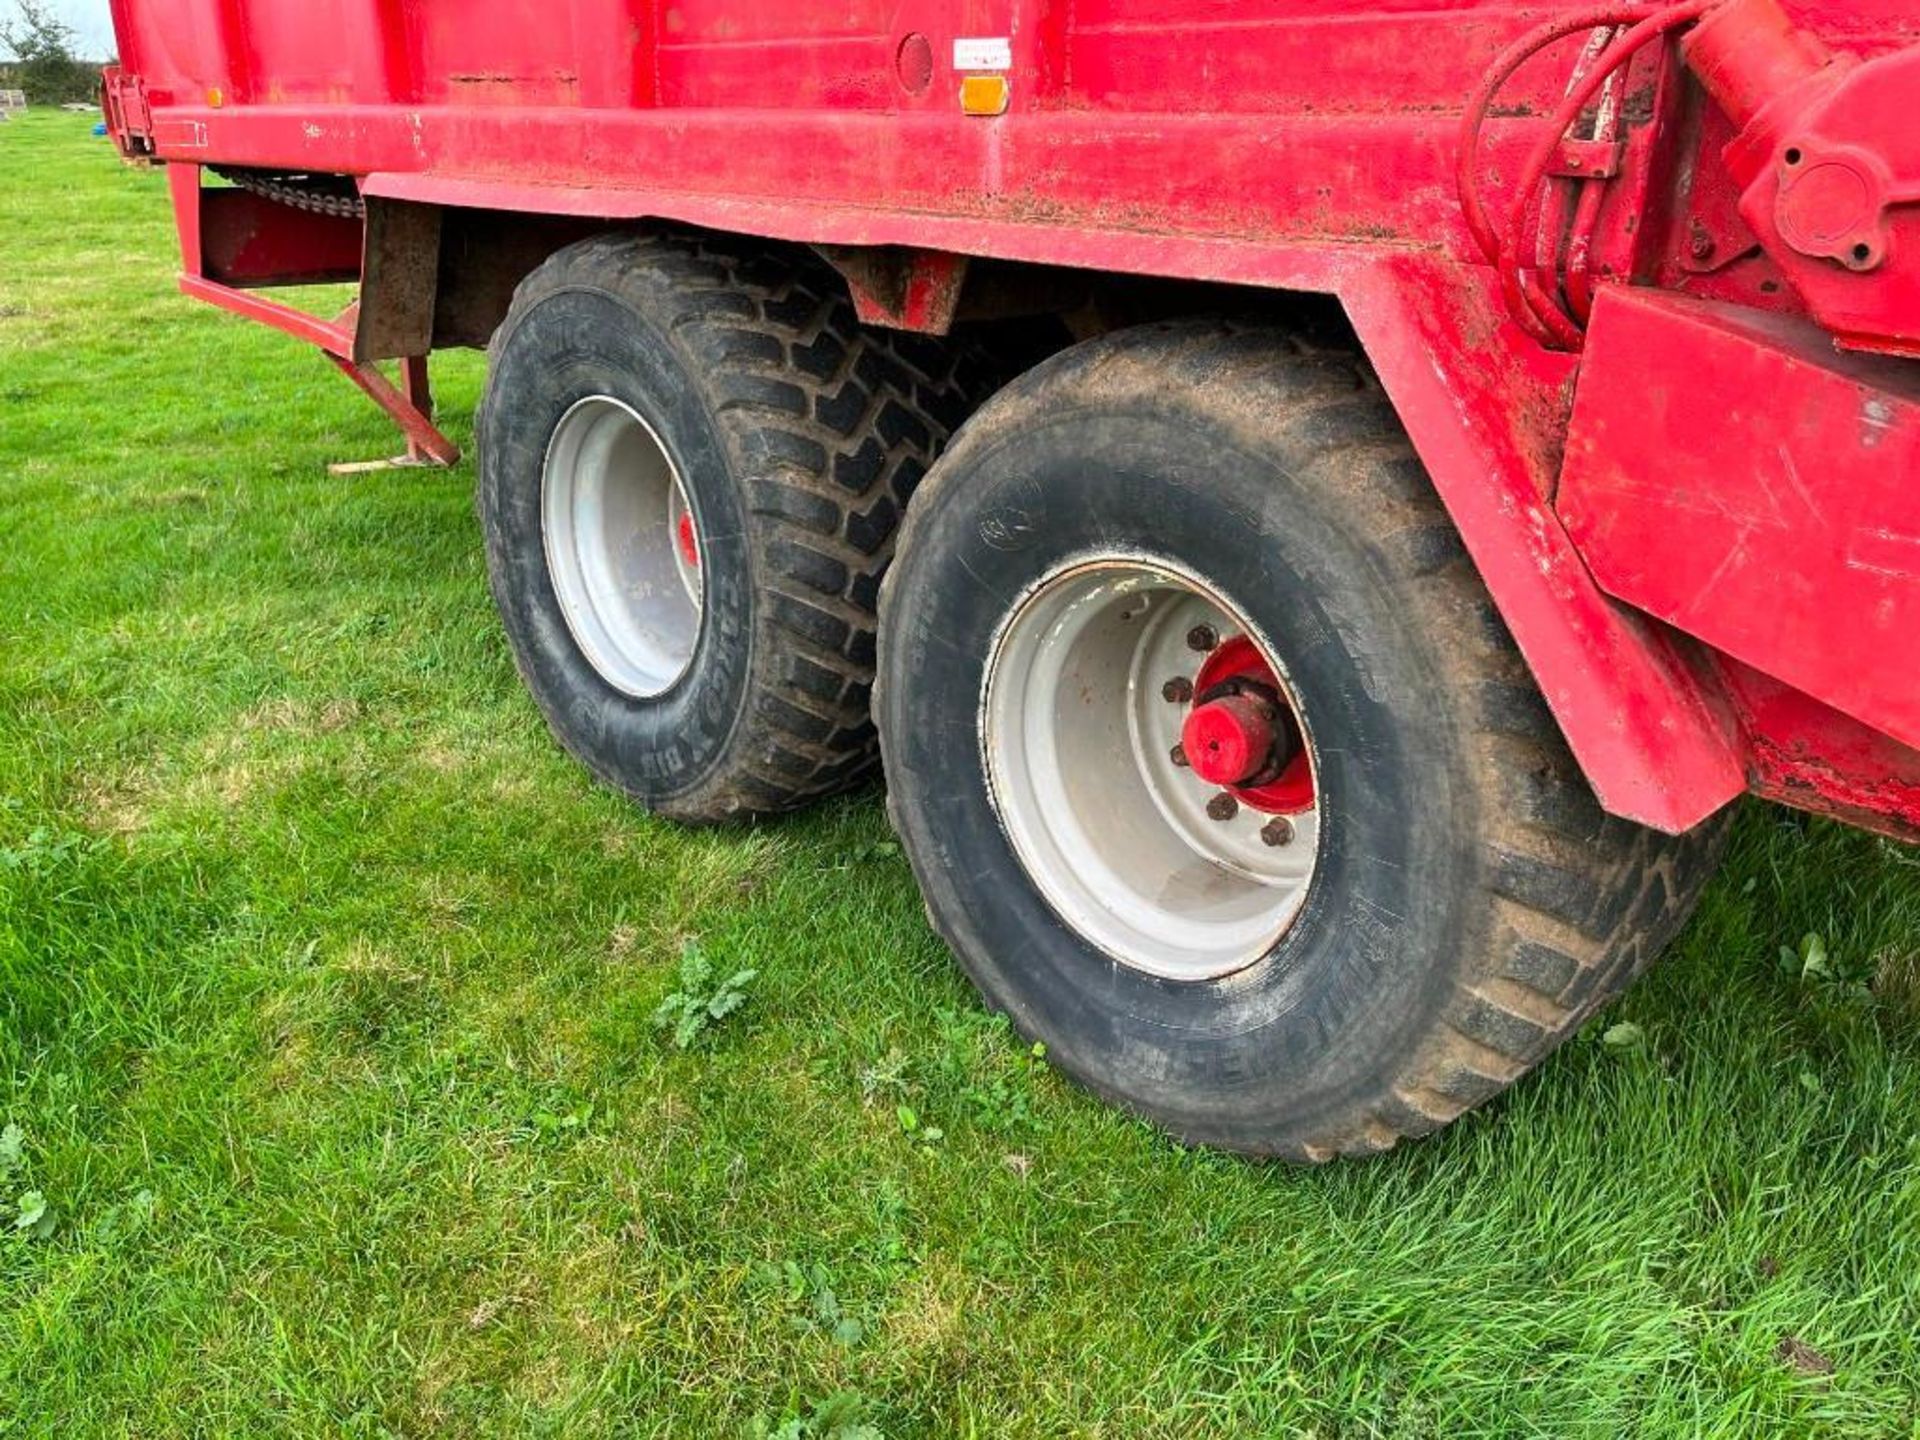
point(692, 464)
point(1217, 769)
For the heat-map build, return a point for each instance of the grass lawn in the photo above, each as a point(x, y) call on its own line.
point(325, 998)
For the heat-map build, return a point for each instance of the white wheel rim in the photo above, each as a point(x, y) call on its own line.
point(621, 546)
point(1078, 738)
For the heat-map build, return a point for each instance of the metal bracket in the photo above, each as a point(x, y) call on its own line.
point(129, 118)
point(901, 288)
point(1587, 159)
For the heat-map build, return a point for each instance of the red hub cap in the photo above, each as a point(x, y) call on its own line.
point(1241, 734)
point(1228, 741)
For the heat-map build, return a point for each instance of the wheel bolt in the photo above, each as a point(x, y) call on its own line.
point(1202, 638)
point(1180, 755)
point(1222, 807)
point(1177, 691)
point(1277, 831)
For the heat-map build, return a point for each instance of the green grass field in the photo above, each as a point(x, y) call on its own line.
point(325, 998)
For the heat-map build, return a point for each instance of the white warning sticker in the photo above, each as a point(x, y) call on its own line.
point(991, 54)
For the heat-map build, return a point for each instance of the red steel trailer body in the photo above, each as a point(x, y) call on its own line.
point(1641, 283)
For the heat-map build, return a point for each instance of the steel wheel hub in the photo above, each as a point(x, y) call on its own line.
point(622, 546)
point(1150, 767)
point(1242, 734)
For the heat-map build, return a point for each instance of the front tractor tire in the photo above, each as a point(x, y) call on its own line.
point(1217, 769)
point(692, 464)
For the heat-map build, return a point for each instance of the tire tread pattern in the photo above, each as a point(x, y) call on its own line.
point(831, 426)
point(1582, 901)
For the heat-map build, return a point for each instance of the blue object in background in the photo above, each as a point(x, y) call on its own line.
point(100, 128)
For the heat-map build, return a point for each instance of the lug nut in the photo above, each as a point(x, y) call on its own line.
point(1222, 807)
point(1202, 638)
point(1180, 755)
point(1277, 831)
point(1177, 691)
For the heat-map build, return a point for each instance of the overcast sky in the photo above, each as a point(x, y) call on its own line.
point(92, 29)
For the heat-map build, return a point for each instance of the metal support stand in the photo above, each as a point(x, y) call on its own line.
point(411, 406)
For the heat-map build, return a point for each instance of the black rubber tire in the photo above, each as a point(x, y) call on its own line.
point(1471, 904)
point(799, 436)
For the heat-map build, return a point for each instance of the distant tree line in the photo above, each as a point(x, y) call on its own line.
point(44, 64)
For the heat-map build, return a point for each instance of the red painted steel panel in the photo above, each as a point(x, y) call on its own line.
point(1729, 472)
point(249, 241)
point(1232, 178)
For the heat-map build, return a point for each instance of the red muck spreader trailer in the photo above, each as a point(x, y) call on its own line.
point(1321, 506)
